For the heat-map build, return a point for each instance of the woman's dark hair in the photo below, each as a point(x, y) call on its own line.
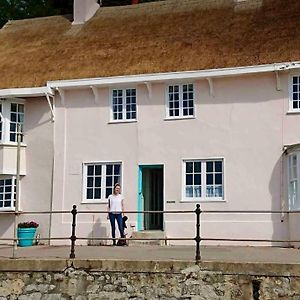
point(116, 185)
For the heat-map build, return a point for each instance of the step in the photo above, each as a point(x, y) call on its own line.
point(148, 234)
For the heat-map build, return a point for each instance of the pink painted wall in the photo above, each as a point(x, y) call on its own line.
point(245, 123)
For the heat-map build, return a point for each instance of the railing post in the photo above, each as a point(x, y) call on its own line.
point(198, 238)
point(73, 236)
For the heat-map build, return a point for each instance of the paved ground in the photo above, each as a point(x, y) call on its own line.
point(159, 253)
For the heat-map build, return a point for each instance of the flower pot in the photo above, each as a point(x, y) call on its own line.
point(26, 236)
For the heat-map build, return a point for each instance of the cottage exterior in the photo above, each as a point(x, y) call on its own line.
point(161, 98)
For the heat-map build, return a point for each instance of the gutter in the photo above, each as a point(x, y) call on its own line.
point(26, 92)
point(172, 76)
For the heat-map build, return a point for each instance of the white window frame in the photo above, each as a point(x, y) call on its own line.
point(5, 119)
point(294, 205)
point(103, 164)
point(203, 198)
point(13, 193)
point(167, 103)
point(291, 109)
point(123, 120)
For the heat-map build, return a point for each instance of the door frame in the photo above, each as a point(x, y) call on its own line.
point(140, 204)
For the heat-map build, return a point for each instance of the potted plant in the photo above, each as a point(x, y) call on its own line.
point(26, 233)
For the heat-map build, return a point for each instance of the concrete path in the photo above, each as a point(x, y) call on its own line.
point(159, 253)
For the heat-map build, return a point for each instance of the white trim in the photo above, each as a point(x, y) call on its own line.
point(167, 102)
point(26, 92)
point(123, 120)
point(278, 81)
point(184, 199)
point(172, 76)
point(51, 106)
point(102, 200)
point(149, 89)
point(294, 206)
point(6, 121)
point(211, 86)
point(96, 94)
point(12, 200)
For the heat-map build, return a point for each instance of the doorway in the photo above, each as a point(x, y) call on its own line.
point(151, 197)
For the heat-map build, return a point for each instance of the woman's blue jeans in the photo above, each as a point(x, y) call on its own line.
point(113, 218)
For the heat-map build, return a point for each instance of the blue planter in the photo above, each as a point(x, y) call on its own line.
point(26, 236)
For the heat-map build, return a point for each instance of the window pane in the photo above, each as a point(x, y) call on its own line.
point(89, 193)
point(13, 117)
point(13, 107)
point(97, 193)
point(108, 169)
point(197, 179)
point(189, 167)
point(108, 192)
point(209, 179)
point(209, 166)
point(218, 179)
point(117, 169)
point(189, 191)
point(218, 166)
point(197, 166)
point(90, 170)
point(197, 191)
point(189, 179)
point(109, 181)
point(98, 170)
point(90, 181)
point(98, 182)
point(295, 79)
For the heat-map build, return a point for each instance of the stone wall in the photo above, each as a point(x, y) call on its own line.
point(91, 280)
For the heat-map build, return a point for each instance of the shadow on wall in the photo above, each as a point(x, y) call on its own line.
point(7, 228)
point(279, 202)
point(98, 231)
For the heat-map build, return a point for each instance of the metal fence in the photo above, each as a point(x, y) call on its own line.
point(197, 239)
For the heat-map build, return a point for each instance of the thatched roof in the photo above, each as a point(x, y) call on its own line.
point(148, 38)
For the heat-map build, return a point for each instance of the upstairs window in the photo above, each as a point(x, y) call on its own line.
point(203, 179)
point(100, 179)
point(16, 119)
point(180, 101)
point(295, 94)
point(124, 104)
point(11, 120)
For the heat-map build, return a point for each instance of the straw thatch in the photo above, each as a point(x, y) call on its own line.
point(148, 38)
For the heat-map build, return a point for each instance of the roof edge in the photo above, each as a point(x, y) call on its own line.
point(25, 92)
point(171, 76)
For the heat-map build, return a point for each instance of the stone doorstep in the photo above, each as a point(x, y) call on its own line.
point(148, 234)
point(97, 265)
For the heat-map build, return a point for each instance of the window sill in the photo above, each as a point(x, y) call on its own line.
point(122, 121)
point(9, 211)
point(11, 144)
point(94, 202)
point(293, 112)
point(203, 200)
point(179, 118)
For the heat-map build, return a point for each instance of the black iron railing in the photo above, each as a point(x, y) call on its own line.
point(197, 239)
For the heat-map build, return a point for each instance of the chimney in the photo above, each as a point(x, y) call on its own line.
point(84, 10)
point(134, 1)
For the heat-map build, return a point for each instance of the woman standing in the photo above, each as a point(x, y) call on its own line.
point(115, 210)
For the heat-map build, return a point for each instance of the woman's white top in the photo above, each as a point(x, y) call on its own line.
point(115, 203)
